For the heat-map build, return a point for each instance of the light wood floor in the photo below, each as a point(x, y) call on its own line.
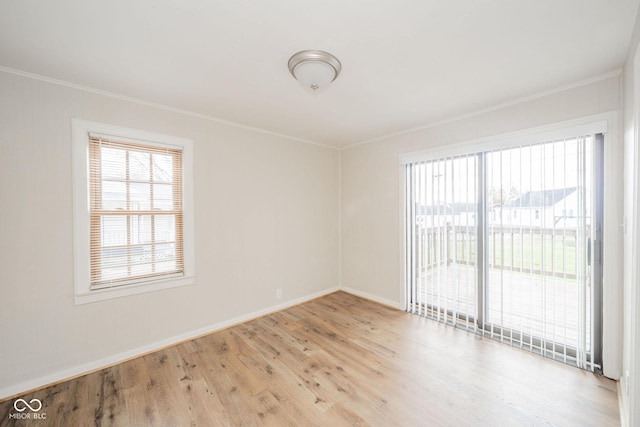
point(336, 361)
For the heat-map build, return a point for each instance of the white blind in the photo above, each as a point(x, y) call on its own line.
point(136, 212)
point(499, 242)
point(442, 234)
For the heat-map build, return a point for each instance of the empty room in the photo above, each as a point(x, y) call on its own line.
point(320, 213)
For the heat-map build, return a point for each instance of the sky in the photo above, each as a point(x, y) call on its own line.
point(536, 167)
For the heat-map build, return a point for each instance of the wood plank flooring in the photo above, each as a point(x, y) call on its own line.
point(335, 361)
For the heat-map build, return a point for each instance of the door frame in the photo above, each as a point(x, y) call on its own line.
point(606, 123)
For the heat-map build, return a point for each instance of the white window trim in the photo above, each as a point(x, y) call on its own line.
point(586, 126)
point(80, 164)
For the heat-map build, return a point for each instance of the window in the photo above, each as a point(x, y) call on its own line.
point(527, 280)
point(133, 226)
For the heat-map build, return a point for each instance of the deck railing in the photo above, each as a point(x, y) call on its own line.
point(533, 250)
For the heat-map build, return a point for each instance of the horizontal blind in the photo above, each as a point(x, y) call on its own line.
point(136, 212)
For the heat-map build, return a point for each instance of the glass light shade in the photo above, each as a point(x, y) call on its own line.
point(314, 76)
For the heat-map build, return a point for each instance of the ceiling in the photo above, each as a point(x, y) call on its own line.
point(405, 63)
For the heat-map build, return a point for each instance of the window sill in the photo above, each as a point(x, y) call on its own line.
point(133, 289)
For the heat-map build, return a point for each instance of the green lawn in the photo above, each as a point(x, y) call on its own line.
point(548, 254)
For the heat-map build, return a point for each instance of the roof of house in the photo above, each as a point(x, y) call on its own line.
point(446, 209)
point(530, 199)
point(539, 199)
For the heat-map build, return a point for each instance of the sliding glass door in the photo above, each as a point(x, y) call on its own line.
point(442, 238)
point(506, 243)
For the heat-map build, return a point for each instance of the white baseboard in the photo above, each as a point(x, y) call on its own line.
point(375, 298)
point(92, 366)
point(622, 404)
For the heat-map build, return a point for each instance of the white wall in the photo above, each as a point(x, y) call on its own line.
point(630, 380)
point(266, 217)
point(372, 201)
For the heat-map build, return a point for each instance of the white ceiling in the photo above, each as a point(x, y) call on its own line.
point(405, 63)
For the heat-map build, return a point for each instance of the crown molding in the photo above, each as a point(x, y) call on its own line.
point(159, 106)
point(500, 106)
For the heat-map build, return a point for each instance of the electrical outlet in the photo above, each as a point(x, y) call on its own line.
point(278, 293)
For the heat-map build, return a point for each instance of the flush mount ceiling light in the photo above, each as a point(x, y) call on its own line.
point(314, 69)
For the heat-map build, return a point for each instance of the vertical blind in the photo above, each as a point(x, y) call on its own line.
point(136, 213)
point(500, 243)
point(442, 202)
